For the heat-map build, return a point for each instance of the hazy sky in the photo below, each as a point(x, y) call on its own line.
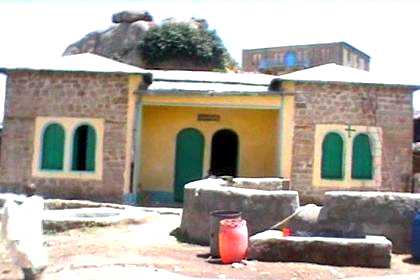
point(386, 30)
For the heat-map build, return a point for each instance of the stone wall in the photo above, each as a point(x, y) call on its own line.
point(389, 108)
point(371, 213)
point(260, 208)
point(59, 94)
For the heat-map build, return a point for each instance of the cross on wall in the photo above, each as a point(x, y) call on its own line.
point(349, 130)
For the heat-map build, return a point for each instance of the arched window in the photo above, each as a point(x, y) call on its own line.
point(362, 158)
point(52, 147)
point(332, 157)
point(84, 148)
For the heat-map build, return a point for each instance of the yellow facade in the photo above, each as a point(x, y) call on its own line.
point(134, 82)
point(252, 102)
point(287, 120)
point(257, 130)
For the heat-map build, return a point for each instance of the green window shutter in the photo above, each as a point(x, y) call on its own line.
point(332, 157)
point(362, 158)
point(84, 149)
point(90, 149)
point(53, 148)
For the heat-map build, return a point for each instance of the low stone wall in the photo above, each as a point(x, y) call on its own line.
point(372, 251)
point(60, 203)
point(260, 208)
point(370, 213)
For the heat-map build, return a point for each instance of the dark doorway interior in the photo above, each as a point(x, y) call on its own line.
point(224, 153)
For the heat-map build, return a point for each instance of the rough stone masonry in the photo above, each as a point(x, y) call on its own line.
point(81, 95)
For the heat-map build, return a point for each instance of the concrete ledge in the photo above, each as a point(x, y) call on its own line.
point(372, 251)
point(260, 208)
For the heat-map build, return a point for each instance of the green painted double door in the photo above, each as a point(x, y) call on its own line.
point(188, 159)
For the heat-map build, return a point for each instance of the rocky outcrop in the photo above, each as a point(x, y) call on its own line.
point(118, 42)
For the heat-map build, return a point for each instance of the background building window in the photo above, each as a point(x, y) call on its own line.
point(332, 157)
point(84, 149)
point(290, 59)
point(53, 147)
point(362, 158)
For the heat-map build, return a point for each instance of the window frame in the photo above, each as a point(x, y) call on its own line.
point(69, 125)
point(375, 135)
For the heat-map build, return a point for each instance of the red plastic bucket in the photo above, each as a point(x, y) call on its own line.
point(233, 240)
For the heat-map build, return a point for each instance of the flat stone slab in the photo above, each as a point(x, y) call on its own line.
point(61, 220)
point(372, 251)
point(260, 208)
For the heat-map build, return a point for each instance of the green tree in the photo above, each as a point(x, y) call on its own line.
point(181, 46)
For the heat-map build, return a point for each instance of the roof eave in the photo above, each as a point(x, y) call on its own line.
point(10, 70)
point(413, 87)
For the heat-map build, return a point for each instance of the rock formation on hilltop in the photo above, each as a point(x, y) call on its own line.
point(120, 41)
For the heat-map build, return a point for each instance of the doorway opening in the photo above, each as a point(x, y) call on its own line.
point(224, 153)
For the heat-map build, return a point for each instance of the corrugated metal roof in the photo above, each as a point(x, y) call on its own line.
point(337, 73)
point(164, 86)
point(86, 62)
point(205, 82)
point(212, 77)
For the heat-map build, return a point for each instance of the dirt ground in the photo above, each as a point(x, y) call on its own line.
point(147, 251)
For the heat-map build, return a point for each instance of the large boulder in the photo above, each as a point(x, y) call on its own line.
point(118, 42)
point(370, 213)
point(260, 208)
point(305, 221)
point(131, 16)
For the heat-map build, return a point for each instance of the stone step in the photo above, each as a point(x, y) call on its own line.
point(372, 251)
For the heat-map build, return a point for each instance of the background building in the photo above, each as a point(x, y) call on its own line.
point(279, 60)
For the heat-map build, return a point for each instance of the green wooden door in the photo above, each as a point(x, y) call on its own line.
point(188, 159)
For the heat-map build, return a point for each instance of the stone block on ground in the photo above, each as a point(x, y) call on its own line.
point(370, 213)
point(372, 251)
point(260, 208)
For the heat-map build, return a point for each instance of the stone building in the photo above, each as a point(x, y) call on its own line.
point(280, 60)
point(92, 128)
